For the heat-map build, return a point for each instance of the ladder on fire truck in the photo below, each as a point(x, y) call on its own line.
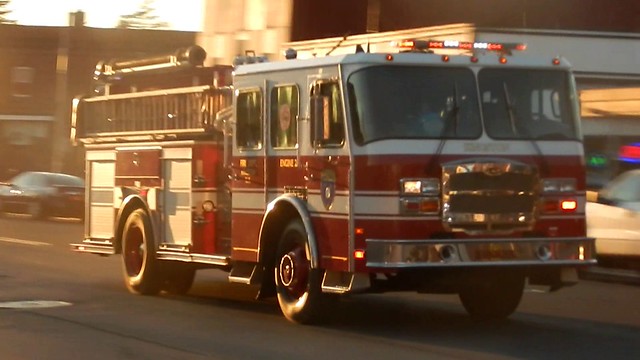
point(175, 99)
point(148, 115)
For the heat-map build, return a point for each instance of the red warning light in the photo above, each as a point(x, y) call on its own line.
point(445, 58)
point(503, 60)
point(629, 153)
point(389, 57)
point(555, 61)
point(568, 205)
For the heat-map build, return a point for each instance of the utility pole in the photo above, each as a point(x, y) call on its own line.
point(373, 16)
point(61, 146)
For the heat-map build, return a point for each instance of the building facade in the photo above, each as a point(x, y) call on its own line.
point(42, 69)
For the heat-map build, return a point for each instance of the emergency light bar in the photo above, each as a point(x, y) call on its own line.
point(424, 45)
point(630, 153)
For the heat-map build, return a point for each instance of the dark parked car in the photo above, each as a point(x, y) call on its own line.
point(43, 194)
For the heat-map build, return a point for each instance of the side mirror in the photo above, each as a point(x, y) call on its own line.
point(554, 101)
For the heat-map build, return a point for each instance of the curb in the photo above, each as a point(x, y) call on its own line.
point(623, 276)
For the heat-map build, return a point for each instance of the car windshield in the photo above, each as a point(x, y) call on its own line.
point(26, 179)
point(46, 179)
point(527, 104)
point(65, 180)
point(413, 102)
point(625, 187)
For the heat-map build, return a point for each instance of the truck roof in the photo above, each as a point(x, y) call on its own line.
point(407, 58)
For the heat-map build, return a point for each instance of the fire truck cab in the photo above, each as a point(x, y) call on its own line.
point(457, 172)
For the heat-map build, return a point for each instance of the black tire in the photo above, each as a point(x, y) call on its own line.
point(492, 295)
point(177, 278)
point(298, 286)
point(36, 210)
point(139, 264)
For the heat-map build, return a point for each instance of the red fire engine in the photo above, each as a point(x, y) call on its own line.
point(367, 172)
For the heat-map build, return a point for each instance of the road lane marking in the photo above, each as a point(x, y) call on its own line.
point(32, 304)
point(24, 242)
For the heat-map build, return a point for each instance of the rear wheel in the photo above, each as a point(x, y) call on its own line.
point(35, 209)
point(177, 278)
point(492, 295)
point(298, 286)
point(140, 267)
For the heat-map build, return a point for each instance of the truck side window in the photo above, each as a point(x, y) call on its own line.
point(249, 119)
point(333, 118)
point(284, 114)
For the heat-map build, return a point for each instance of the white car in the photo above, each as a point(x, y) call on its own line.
point(613, 218)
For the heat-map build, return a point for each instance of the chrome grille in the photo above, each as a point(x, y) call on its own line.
point(489, 196)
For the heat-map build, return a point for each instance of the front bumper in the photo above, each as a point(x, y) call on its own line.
point(402, 254)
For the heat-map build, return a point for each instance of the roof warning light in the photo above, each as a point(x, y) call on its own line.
point(426, 45)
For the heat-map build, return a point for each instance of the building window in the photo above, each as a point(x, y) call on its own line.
point(22, 133)
point(22, 78)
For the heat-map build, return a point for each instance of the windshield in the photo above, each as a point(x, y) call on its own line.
point(527, 104)
point(65, 180)
point(413, 102)
point(624, 188)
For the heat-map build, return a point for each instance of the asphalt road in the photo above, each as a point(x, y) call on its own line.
point(57, 304)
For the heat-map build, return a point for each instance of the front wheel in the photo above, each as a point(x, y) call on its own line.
point(492, 295)
point(298, 286)
point(139, 264)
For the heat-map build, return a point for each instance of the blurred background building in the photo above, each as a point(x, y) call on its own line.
point(43, 68)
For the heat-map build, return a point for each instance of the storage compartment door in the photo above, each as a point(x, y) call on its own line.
point(100, 214)
point(177, 197)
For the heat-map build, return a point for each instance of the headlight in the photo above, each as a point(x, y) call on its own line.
point(420, 186)
point(412, 187)
point(419, 196)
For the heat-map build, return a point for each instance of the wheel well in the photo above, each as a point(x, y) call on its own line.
point(130, 205)
point(274, 225)
point(272, 229)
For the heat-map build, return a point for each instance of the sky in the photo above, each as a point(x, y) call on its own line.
point(183, 15)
